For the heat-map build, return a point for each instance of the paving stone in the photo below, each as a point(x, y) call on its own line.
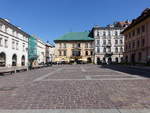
point(37, 89)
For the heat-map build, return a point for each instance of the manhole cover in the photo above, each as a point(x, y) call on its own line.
point(7, 88)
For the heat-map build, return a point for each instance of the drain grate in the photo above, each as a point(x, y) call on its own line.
point(7, 88)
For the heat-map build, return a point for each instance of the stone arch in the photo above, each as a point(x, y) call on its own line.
point(2, 59)
point(14, 60)
point(23, 60)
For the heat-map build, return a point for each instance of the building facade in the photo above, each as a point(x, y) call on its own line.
point(13, 45)
point(50, 53)
point(41, 51)
point(137, 39)
point(109, 43)
point(74, 47)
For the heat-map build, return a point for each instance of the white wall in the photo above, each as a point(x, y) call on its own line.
point(41, 51)
point(11, 35)
point(112, 37)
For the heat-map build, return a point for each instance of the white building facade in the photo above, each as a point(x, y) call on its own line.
point(50, 53)
point(13, 45)
point(109, 44)
point(41, 53)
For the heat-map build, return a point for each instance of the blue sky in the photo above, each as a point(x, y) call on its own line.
point(50, 19)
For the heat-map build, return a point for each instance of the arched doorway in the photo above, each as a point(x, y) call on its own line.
point(98, 60)
point(2, 59)
point(116, 59)
point(109, 60)
point(89, 60)
point(14, 60)
point(23, 61)
point(104, 60)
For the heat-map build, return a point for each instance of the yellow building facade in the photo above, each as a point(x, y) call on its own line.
point(75, 47)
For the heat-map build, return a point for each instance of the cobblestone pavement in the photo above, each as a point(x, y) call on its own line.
point(76, 87)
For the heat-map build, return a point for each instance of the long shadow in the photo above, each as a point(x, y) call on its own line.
point(129, 70)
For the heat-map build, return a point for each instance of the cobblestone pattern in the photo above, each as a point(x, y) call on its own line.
point(73, 94)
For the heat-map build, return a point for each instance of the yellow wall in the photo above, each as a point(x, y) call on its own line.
point(69, 48)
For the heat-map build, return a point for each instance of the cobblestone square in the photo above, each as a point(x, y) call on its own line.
point(76, 87)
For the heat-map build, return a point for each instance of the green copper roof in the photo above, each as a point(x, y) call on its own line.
point(75, 36)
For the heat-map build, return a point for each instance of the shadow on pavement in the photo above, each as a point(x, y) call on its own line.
point(128, 70)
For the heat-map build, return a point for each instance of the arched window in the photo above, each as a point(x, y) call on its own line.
point(23, 60)
point(2, 59)
point(14, 60)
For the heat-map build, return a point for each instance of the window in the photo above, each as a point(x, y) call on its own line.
point(116, 33)
point(86, 53)
point(98, 50)
point(98, 34)
point(6, 43)
point(98, 42)
point(59, 53)
point(133, 33)
point(138, 44)
point(129, 35)
point(133, 45)
point(143, 42)
point(6, 29)
point(109, 49)
point(121, 49)
point(13, 32)
point(60, 45)
point(143, 28)
point(13, 44)
point(76, 53)
point(104, 50)
point(104, 33)
point(104, 42)
point(17, 45)
point(86, 45)
point(138, 31)
point(129, 45)
point(73, 45)
point(65, 53)
point(109, 33)
point(1, 25)
point(121, 42)
point(116, 41)
point(116, 50)
point(91, 45)
point(109, 41)
point(1, 41)
point(91, 52)
point(78, 45)
point(64, 45)
point(23, 46)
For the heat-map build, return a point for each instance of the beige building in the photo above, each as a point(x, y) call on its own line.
point(74, 47)
point(137, 39)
